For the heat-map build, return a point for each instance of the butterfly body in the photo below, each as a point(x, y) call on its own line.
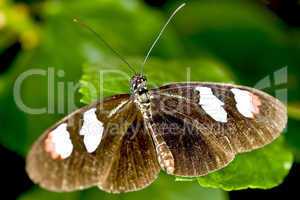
point(142, 99)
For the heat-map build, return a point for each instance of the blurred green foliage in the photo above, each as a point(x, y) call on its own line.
point(16, 24)
point(161, 189)
point(229, 41)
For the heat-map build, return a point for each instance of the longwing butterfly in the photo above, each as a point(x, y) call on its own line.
point(121, 143)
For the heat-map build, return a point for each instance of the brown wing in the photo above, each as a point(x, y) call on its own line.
point(200, 144)
point(115, 166)
point(136, 165)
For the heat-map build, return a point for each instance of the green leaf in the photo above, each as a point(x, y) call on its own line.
point(108, 79)
point(164, 187)
point(263, 168)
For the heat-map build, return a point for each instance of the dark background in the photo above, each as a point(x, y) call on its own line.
point(14, 180)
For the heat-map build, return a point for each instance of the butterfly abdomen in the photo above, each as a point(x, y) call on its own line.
point(164, 155)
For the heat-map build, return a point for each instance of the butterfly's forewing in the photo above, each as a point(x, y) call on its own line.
point(202, 142)
point(115, 165)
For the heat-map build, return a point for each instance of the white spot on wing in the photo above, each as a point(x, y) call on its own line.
point(244, 103)
point(61, 141)
point(92, 130)
point(211, 104)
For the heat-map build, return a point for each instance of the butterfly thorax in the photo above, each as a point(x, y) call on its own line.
point(140, 93)
point(139, 89)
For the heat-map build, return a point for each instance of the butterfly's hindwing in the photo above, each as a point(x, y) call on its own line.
point(204, 137)
point(107, 164)
point(136, 166)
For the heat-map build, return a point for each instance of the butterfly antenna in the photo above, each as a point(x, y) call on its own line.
point(105, 43)
point(159, 35)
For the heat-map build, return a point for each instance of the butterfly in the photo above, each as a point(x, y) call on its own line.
point(121, 143)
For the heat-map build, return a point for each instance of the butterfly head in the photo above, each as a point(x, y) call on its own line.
point(138, 84)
